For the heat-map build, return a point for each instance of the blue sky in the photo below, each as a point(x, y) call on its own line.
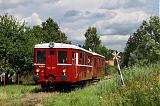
point(115, 20)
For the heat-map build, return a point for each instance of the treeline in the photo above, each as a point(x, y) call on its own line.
point(143, 46)
point(17, 41)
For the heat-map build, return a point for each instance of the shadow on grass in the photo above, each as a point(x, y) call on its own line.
point(29, 84)
point(60, 89)
point(37, 90)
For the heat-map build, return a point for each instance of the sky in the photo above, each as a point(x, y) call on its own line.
point(115, 20)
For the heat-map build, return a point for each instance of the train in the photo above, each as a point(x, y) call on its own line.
point(65, 64)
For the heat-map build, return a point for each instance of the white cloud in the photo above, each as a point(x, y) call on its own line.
point(10, 1)
point(115, 19)
point(115, 42)
point(114, 38)
point(116, 30)
point(80, 4)
point(34, 19)
point(22, 2)
point(75, 36)
point(122, 23)
point(159, 8)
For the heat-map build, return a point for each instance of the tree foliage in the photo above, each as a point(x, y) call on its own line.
point(143, 45)
point(17, 42)
point(107, 53)
point(13, 45)
point(94, 43)
point(49, 31)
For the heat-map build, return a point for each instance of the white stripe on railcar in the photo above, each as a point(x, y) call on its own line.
point(76, 65)
point(84, 65)
point(39, 64)
point(64, 64)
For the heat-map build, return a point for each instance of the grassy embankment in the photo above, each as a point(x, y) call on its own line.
point(14, 91)
point(23, 95)
point(142, 88)
point(10, 93)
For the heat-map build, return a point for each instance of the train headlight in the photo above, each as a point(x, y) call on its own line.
point(37, 70)
point(64, 71)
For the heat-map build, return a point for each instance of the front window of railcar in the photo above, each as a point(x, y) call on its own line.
point(41, 57)
point(62, 57)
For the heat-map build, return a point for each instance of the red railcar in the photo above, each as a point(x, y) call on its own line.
point(55, 63)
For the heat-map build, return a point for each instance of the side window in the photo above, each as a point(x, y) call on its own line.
point(73, 57)
point(41, 57)
point(101, 63)
point(98, 62)
point(86, 59)
point(81, 59)
point(94, 61)
point(62, 57)
point(89, 60)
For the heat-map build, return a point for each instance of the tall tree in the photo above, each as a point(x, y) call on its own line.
point(11, 33)
point(92, 40)
point(137, 46)
point(52, 33)
point(15, 46)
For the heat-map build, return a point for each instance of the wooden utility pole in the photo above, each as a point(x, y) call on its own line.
point(116, 57)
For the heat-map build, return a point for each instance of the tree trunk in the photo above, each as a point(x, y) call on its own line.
point(6, 79)
point(17, 78)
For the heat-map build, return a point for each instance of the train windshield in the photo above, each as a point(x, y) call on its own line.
point(41, 57)
point(62, 57)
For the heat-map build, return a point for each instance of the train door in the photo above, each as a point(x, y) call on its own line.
point(74, 64)
point(95, 68)
point(51, 62)
point(77, 64)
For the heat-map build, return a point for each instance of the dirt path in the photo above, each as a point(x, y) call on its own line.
point(32, 99)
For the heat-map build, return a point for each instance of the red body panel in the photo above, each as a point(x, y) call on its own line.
point(79, 66)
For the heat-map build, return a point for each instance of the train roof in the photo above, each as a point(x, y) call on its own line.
point(62, 45)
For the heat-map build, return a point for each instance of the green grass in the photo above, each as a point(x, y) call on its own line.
point(15, 91)
point(142, 88)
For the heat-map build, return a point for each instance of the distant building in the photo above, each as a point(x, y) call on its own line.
point(110, 62)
